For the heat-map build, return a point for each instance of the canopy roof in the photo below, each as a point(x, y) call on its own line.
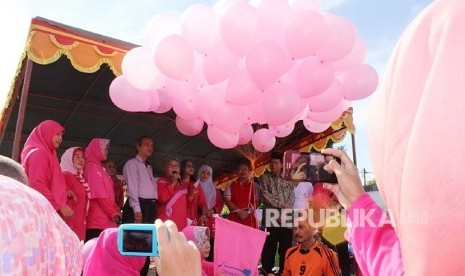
point(64, 75)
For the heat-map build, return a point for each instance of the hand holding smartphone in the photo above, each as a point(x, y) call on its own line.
point(299, 166)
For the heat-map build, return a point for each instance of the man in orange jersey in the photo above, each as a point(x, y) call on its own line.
point(309, 257)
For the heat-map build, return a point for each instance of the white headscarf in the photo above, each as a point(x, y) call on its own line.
point(67, 164)
point(208, 188)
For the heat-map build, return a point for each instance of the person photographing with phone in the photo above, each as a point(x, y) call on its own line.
point(172, 195)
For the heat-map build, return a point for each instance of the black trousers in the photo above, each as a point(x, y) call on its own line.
point(148, 208)
point(92, 233)
point(281, 236)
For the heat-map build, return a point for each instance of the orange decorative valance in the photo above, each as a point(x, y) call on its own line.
point(47, 41)
point(46, 45)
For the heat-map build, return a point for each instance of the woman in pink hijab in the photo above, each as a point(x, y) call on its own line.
point(200, 235)
point(41, 165)
point(72, 164)
point(104, 259)
point(103, 211)
point(416, 135)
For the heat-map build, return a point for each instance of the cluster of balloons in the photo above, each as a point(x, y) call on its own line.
point(238, 64)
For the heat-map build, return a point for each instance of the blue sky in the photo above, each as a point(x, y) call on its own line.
point(379, 22)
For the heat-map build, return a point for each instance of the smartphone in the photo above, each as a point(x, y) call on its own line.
point(301, 166)
point(138, 239)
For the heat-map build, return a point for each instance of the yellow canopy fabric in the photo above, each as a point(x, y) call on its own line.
point(48, 41)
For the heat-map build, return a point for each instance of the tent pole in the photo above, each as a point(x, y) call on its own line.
point(22, 111)
point(354, 154)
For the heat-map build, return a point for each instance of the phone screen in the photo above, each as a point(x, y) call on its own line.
point(299, 166)
point(139, 241)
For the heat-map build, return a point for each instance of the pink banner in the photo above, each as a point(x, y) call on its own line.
point(237, 248)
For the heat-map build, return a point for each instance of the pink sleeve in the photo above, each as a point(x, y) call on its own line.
point(374, 241)
point(39, 174)
point(108, 206)
point(165, 191)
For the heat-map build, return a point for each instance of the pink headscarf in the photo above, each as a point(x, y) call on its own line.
point(35, 240)
point(105, 259)
point(101, 185)
point(199, 234)
point(417, 136)
point(41, 138)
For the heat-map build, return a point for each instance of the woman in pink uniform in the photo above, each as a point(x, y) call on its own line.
point(72, 165)
point(40, 162)
point(103, 211)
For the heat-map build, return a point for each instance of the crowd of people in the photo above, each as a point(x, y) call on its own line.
point(87, 195)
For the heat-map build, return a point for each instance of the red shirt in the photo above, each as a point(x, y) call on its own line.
point(78, 222)
point(166, 196)
point(243, 195)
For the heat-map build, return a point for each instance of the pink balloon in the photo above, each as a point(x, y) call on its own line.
point(305, 5)
point(222, 139)
point(315, 127)
point(341, 38)
point(221, 6)
point(280, 104)
point(219, 64)
point(200, 26)
point(360, 82)
point(140, 70)
point(239, 27)
point(174, 57)
point(178, 89)
point(241, 90)
point(306, 33)
point(161, 26)
point(185, 108)
point(127, 97)
point(328, 116)
point(201, 100)
point(263, 140)
point(282, 130)
point(245, 134)
point(354, 58)
point(154, 100)
point(189, 127)
point(326, 100)
point(346, 104)
point(274, 17)
point(266, 62)
point(166, 102)
point(254, 113)
point(224, 115)
point(197, 78)
point(313, 77)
